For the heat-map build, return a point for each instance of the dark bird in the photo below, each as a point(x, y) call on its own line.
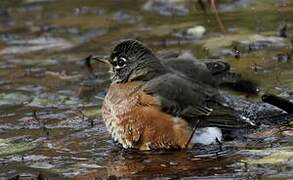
point(154, 104)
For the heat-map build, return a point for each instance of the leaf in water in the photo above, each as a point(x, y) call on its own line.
point(279, 156)
point(13, 99)
point(8, 148)
point(92, 112)
point(53, 100)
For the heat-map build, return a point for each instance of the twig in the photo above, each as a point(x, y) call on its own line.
point(192, 133)
point(83, 116)
point(217, 16)
point(41, 124)
point(36, 117)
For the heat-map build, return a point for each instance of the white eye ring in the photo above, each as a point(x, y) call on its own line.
point(123, 59)
point(120, 62)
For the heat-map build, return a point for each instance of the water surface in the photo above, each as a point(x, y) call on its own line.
point(50, 123)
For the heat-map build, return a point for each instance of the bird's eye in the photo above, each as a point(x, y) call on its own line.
point(121, 62)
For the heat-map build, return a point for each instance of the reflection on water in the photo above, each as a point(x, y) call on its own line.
point(50, 124)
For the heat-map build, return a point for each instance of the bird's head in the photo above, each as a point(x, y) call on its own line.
point(130, 60)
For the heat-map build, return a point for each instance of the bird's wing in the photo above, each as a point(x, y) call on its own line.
point(176, 95)
point(191, 101)
point(212, 72)
point(193, 69)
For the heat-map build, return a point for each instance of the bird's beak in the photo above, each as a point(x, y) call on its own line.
point(100, 59)
point(88, 60)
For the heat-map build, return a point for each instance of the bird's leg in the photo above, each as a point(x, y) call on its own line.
point(220, 144)
point(192, 133)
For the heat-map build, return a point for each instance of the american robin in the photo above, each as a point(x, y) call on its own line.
point(151, 105)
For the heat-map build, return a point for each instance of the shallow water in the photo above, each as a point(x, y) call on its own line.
point(50, 122)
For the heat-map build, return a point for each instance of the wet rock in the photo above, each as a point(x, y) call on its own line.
point(167, 7)
point(284, 57)
point(37, 44)
point(13, 99)
point(195, 32)
point(232, 6)
point(123, 17)
point(258, 42)
point(85, 10)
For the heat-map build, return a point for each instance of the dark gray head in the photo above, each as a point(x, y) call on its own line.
point(131, 60)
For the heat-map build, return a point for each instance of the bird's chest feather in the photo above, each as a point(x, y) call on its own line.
point(119, 114)
point(121, 99)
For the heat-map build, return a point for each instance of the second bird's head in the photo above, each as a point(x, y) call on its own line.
point(131, 60)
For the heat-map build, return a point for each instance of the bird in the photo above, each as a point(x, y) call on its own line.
point(153, 104)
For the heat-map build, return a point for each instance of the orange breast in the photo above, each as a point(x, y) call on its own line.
point(135, 120)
